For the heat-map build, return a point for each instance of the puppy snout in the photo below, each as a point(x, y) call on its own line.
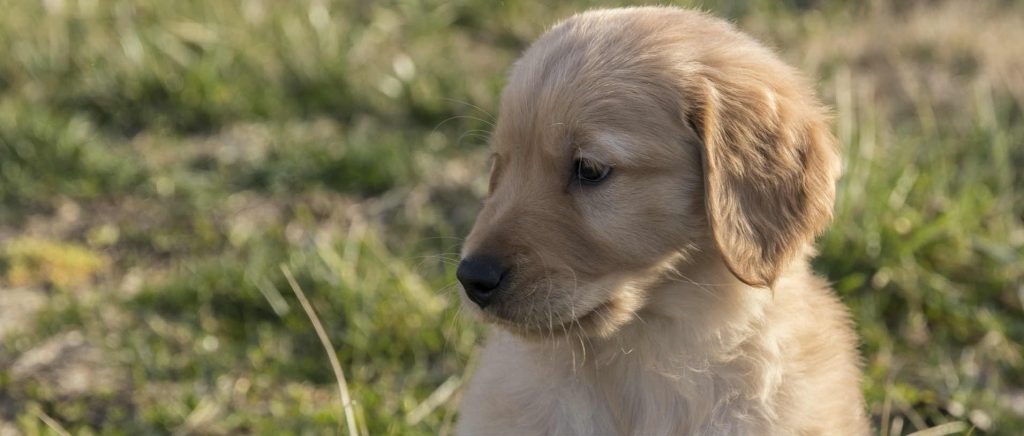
point(482, 278)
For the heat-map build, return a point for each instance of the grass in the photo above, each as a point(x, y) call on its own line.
point(159, 162)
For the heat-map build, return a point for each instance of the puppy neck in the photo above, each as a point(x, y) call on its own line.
point(707, 309)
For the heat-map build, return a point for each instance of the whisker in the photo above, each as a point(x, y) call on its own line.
point(479, 134)
point(452, 100)
point(457, 117)
point(583, 347)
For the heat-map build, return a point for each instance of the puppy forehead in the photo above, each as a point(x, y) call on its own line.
point(619, 149)
point(606, 98)
point(616, 129)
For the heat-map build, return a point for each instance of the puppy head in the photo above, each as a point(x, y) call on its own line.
point(628, 140)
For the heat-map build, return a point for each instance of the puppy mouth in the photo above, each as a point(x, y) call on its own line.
point(590, 321)
point(613, 303)
point(588, 318)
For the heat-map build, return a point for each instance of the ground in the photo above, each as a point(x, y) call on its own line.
point(162, 163)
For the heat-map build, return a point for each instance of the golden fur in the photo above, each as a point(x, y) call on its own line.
point(674, 297)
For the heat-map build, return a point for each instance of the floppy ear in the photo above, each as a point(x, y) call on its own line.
point(770, 166)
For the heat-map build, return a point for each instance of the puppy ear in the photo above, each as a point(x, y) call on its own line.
point(770, 166)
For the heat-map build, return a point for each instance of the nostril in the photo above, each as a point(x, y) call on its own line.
point(481, 276)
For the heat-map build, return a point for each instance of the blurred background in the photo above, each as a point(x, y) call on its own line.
point(161, 161)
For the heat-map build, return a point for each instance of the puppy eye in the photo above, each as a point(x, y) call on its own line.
point(590, 172)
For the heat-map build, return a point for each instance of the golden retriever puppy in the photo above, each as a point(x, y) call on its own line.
point(658, 181)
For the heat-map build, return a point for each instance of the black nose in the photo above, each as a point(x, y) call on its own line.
point(481, 277)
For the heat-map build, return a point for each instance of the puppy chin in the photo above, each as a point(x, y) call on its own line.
point(599, 320)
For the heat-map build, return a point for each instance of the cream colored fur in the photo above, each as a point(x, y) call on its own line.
point(674, 297)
